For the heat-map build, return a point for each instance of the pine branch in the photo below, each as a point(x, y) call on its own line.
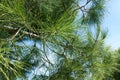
point(20, 30)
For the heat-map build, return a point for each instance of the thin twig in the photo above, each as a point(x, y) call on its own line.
point(15, 34)
point(62, 54)
point(80, 7)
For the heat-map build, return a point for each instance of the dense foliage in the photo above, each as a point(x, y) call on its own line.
point(54, 40)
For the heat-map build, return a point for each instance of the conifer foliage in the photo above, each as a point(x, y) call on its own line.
point(54, 40)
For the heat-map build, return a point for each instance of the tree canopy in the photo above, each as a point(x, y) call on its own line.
point(54, 40)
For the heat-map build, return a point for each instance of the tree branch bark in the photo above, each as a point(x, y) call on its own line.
point(20, 30)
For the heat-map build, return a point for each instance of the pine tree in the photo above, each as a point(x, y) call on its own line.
point(66, 40)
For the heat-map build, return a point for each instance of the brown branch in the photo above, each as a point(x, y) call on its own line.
point(81, 7)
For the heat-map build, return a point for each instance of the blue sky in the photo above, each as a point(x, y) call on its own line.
point(112, 22)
